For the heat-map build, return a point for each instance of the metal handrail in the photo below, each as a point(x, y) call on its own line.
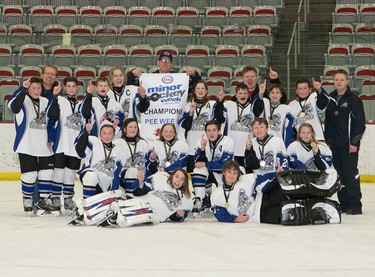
point(295, 37)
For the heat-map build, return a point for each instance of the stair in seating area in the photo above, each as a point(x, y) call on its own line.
point(314, 41)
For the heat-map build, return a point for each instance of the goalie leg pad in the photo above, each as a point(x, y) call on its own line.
point(310, 211)
point(95, 208)
point(309, 183)
point(136, 211)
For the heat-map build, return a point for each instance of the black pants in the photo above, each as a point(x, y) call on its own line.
point(346, 165)
point(270, 210)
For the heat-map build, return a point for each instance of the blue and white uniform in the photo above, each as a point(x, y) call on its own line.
point(194, 125)
point(280, 121)
point(301, 156)
point(103, 164)
point(68, 124)
point(164, 199)
point(137, 154)
point(215, 155)
point(309, 110)
point(31, 142)
point(267, 154)
point(104, 110)
point(169, 155)
point(238, 119)
point(228, 202)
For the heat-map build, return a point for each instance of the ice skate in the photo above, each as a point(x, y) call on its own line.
point(69, 205)
point(28, 205)
point(44, 207)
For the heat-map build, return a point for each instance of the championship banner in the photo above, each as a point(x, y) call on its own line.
point(168, 96)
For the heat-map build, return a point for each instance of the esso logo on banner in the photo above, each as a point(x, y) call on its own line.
point(167, 79)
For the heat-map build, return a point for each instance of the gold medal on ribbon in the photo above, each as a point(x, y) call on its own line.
point(227, 205)
point(262, 163)
point(313, 144)
point(336, 113)
point(179, 202)
point(302, 114)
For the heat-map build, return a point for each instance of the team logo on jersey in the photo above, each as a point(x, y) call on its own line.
point(138, 161)
point(200, 121)
point(74, 121)
point(268, 159)
point(39, 122)
point(170, 199)
point(173, 157)
point(106, 167)
point(110, 116)
point(307, 114)
point(275, 122)
point(244, 125)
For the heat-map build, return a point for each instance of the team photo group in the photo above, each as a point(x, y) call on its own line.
point(153, 147)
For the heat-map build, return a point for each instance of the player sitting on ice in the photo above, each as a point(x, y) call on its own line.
point(231, 202)
point(168, 197)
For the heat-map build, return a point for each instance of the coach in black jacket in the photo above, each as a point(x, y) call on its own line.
point(344, 128)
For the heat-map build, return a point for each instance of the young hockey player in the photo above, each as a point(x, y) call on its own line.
point(31, 143)
point(198, 112)
point(117, 81)
point(278, 114)
point(212, 151)
point(309, 105)
point(137, 151)
point(231, 202)
point(238, 116)
point(105, 110)
point(265, 155)
point(307, 152)
point(69, 121)
point(168, 197)
point(168, 151)
point(104, 160)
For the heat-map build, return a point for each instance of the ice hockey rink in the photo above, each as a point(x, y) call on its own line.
point(48, 246)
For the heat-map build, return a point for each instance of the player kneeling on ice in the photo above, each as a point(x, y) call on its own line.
point(211, 152)
point(104, 160)
point(231, 202)
point(168, 196)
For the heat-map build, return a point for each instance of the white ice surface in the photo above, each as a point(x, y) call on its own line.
point(36, 246)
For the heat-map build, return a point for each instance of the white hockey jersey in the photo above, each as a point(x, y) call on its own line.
point(105, 114)
point(68, 127)
point(170, 155)
point(302, 156)
point(228, 202)
point(307, 111)
point(280, 121)
point(200, 117)
point(164, 199)
point(106, 163)
point(238, 125)
point(31, 126)
point(216, 155)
